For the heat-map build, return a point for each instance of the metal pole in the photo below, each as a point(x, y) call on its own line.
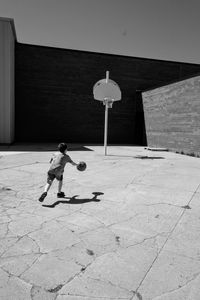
point(106, 129)
point(107, 76)
point(106, 119)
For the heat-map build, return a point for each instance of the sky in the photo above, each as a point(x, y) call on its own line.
point(158, 29)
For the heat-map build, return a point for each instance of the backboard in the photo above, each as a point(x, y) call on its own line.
point(106, 89)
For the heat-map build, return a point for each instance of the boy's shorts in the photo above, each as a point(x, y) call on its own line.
point(52, 176)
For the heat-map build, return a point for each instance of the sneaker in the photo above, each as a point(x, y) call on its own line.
point(41, 199)
point(60, 195)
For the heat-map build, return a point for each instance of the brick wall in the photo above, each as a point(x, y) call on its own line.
point(54, 94)
point(172, 116)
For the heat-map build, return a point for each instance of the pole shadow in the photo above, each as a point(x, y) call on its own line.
point(148, 157)
point(138, 156)
point(74, 200)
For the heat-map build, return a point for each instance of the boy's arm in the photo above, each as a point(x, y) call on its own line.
point(53, 156)
point(72, 162)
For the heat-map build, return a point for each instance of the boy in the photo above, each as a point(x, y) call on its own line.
point(56, 170)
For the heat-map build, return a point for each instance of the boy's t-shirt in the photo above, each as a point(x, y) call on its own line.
point(58, 163)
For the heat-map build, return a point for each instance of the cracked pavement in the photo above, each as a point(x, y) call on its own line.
point(128, 228)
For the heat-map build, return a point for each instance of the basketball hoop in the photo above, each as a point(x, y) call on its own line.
point(107, 91)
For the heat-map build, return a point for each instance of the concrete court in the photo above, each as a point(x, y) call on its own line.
point(129, 227)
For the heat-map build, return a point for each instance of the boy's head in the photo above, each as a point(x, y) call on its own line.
point(62, 147)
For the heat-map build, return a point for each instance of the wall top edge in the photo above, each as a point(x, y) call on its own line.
point(175, 83)
point(173, 62)
point(12, 24)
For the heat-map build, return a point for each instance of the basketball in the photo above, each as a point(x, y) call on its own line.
point(81, 166)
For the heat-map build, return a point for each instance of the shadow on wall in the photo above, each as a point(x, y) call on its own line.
point(140, 128)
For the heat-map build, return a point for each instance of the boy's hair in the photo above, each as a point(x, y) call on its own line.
point(62, 147)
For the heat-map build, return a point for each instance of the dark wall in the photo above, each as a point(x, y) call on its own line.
point(172, 116)
point(54, 94)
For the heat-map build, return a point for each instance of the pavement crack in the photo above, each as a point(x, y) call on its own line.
point(170, 233)
point(7, 249)
point(138, 295)
point(164, 203)
point(149, 238)
point(13, 167)
point(56, 289)
point(111, 283)
point(123, 221)
point(179, 287)
point(37, 292)
point(95, 218)
point(94, 297)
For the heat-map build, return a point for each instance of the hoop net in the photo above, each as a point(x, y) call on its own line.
point(108, 102)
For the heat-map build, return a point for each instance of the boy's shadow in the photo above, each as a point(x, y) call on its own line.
point(73, 200)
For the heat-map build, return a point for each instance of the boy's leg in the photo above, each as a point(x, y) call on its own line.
point(60, 184)
point(50, 179)
point(60, 194)
point(41, 199)
point(47, 186)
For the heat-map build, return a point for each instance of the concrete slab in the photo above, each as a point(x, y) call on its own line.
point(127, 229)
